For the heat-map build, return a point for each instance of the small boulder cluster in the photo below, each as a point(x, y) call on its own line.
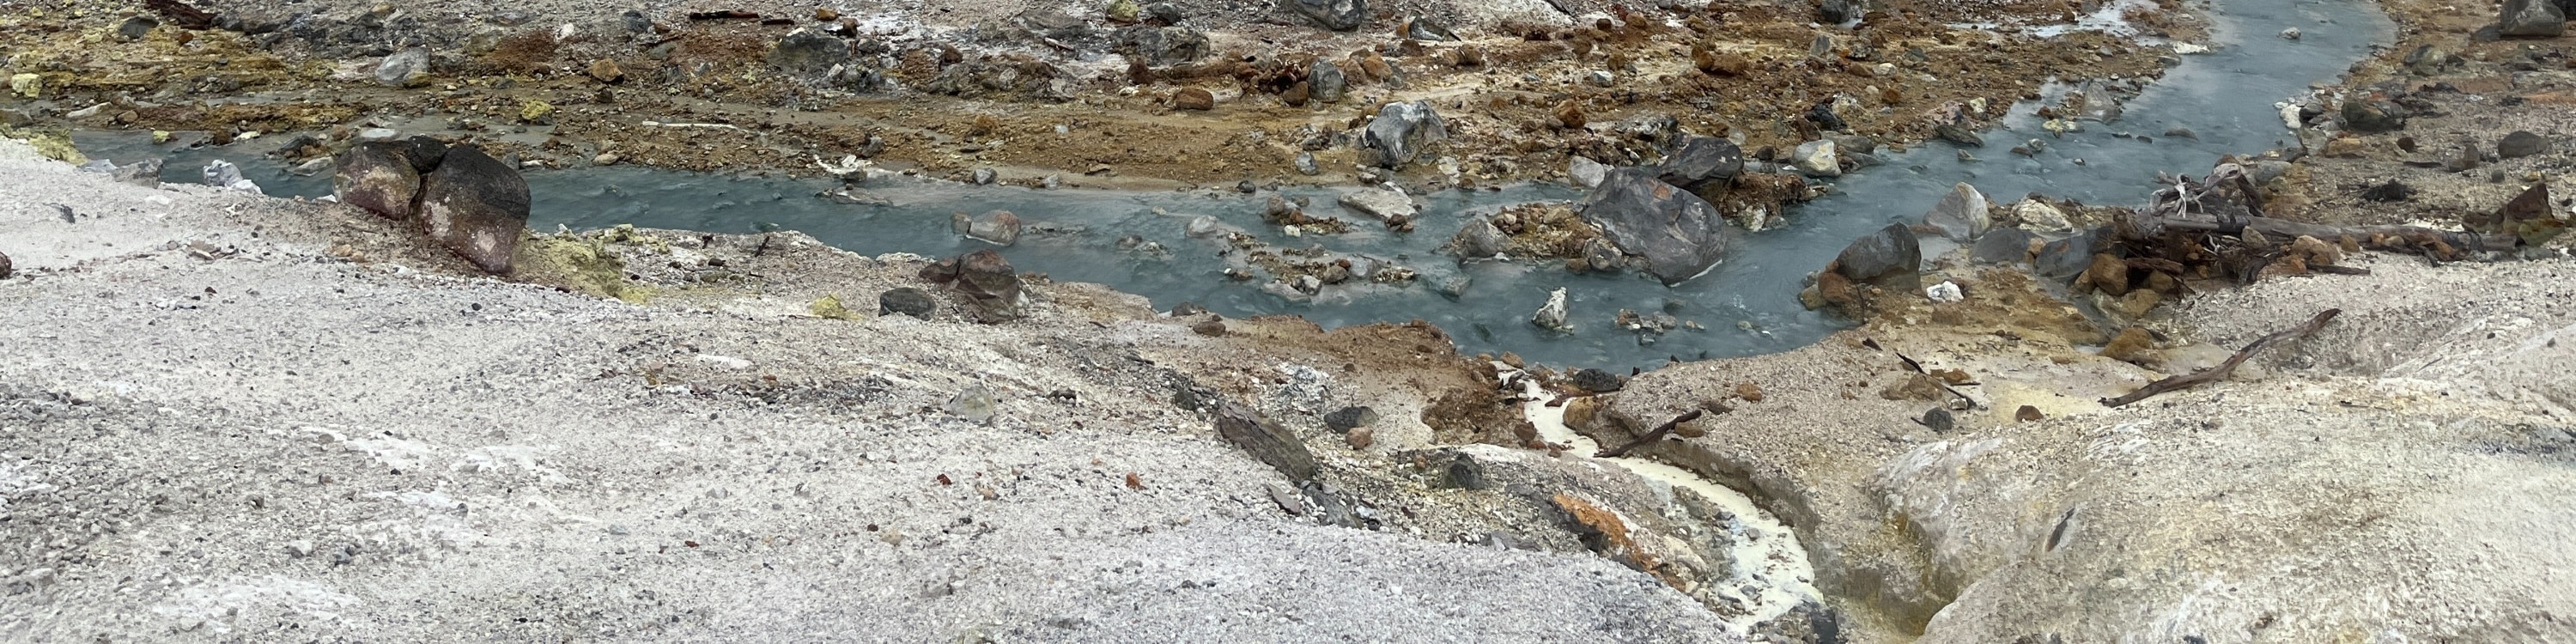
point(461, 197)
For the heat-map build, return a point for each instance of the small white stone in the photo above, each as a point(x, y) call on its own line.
point(1943, 292)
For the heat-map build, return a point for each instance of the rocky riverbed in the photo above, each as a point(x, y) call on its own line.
point(401, 416)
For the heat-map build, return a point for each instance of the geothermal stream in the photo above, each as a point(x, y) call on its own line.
point(2225, 98)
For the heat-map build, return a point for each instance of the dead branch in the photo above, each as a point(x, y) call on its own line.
point(1651, 437)
point(2220, 372)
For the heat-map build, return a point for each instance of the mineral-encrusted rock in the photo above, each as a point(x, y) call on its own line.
point(987, 282)
point(1337, 15)
point(1678, 234)
point(2531, 19)
point(476, 206)
point(1552, 315)
point(1400, 133)
point(1388, 206)
point(1961, 215)
point(1265, 440)
point(405, 68)
point(1891, 257)
point(378, 176)
point(907, 301)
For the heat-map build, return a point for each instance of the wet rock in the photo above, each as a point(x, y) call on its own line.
point(987, 282)
point(2520, 144)
point(1817, 158)
point(2040, 216)
point(136, 28)
point(1959, 135)
point(1401, 132)
point(984, 176)
point(1551, 316)
point(908, 301)
point(475, 205)
point(1265, 440)
point(1961, 215)
point(378, 176)
point(406, 68)
point(223, 174)
point(1349, 418)
point(1325, 82)
point(1192, 98)
point(2531, 19)
point(2372, 117)
point(146, 172)
point(809, 52)
point(1161, 45)
point(2002, 246)
point(1678, 234)
point(1388, 206)
point(1337, 15)
point(1597, 381)
point(2099, 105)
point(1202, 226)
point(1600, 256)
point(999, 227)
point(1703, 165)
point(1891, 257)
point(1584, 172)
point(1479, 238)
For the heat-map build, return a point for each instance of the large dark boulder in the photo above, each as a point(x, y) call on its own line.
point(808, 52)
point(2531, 19)
point(475, 205)
point(1401, 132)
point(380, 177)
point(1891, 257)
point(1337, 15)
point(986, 280)
point(1704, 165)
point(1677, 233)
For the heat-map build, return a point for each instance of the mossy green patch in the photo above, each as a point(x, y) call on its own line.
point(830, 308)
point(580, 264)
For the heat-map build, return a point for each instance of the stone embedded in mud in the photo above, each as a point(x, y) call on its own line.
point(1192, 98)
point(1961, 215)
point(1161, 45)
point(1678, 234)
point(1337, 15)
point(1325, 82)
point(808, 51)
point(1479, 239)
point(2531, 18)
point(1401, 132)
point(1388, 206)
point(907, 301)
point(475, 205)
point(2372, 117)
point(1704, 165)
point(1891, 257)
point(2521, 143)
point(988, 282)
point(1265, 440)
point(136, 28)
point(405, 68)
point(378, 176)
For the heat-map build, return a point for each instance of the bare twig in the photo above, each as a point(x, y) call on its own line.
point(2220, 372)
point(1651, 437)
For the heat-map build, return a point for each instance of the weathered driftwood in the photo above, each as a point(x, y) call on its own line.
point(2220, 372)
point(1651, 437)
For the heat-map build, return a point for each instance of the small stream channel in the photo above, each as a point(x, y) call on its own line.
point(1748, 303)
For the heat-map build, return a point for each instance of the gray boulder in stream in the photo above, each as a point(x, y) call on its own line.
point(1401, 131)
point(1702, 164)
point(1961, 215)
point(2531, 19)
point(475, 205)
point(1891, 257)
point(1678, 233)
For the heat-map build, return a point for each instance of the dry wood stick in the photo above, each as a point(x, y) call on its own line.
point(1651, 437)
point(2220, 372)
